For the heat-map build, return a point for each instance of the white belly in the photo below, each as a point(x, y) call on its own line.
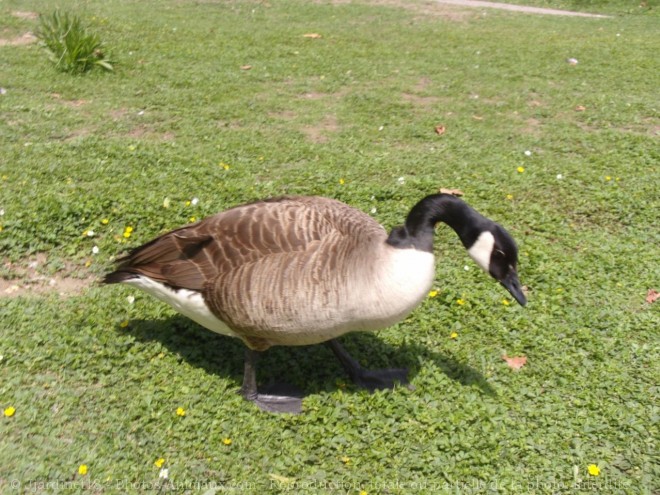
point(187, 302)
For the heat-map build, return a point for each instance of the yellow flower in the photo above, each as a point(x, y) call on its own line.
point(159, 462)
point(433, 293)
point(82, 469)
point(188, 203)
point(509, 197)
point(0, 228)
point(9, 412)
point(593, 470)
point(105, 221)
point(346, 459)
point(124, 324)
point(453, 335)
point(364, 492)
point(342, 182)
point(505, 302)
point(608, 178)
point(193, 219)
point(224, 165)
point(520, 169)
point(226, 441)
point(129, 229)
point(180, 411)
point(460, 302)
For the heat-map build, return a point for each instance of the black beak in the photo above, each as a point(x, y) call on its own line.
point(512, 284)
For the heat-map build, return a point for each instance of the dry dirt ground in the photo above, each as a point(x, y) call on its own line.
point(516, 8)
point(31, 277)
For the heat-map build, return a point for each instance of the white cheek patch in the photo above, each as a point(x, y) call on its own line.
point(481, 250)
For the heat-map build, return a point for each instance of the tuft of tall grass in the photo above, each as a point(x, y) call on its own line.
point(72, 47)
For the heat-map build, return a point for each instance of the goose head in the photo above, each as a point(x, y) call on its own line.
point(496, 253)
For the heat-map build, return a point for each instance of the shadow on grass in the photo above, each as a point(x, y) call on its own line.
point(312, 368)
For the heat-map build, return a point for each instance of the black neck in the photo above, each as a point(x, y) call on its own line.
point(417, 233)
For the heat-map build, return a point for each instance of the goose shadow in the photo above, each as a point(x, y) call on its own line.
point(313, 368)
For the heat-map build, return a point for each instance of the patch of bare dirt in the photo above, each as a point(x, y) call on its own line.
point(22, 14)
point(118, 113)
point(319, 133)
point(420, 101)
point(532, 126)
point(283, 115)
point(517, 8)
point(28, 278)
point(24, 39)
point(69, 103)
point(147, 132)
point(423, 84)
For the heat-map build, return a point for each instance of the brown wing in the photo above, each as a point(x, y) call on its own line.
point(193, 256)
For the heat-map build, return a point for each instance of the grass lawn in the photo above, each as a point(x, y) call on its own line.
point(228, 102)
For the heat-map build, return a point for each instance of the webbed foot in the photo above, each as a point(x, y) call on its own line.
point(277, 398)
point(371, 380)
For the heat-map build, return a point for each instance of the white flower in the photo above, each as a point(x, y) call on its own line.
point(95, 250)
point(130, 299)
point(560, 177)
point(194, 201)
point(2, 212)
point(164, 473)
point(141, 112)
point(466, 268)
point(373, 210)
point(572, 61)
point(90, 233)
point(381, 128)
point(401, 180)
point(528, 153)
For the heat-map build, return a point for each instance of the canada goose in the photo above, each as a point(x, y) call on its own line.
point(305, 270)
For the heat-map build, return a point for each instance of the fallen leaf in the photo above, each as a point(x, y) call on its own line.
point(652, 296)
point(440, 129)
point(246, 67)
point(313, 36)
point(580, 108)
point(516, 362)
point(477, 117)
point(453, 192)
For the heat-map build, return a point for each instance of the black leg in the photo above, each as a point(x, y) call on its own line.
point(370, 379)
point(277, 398)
